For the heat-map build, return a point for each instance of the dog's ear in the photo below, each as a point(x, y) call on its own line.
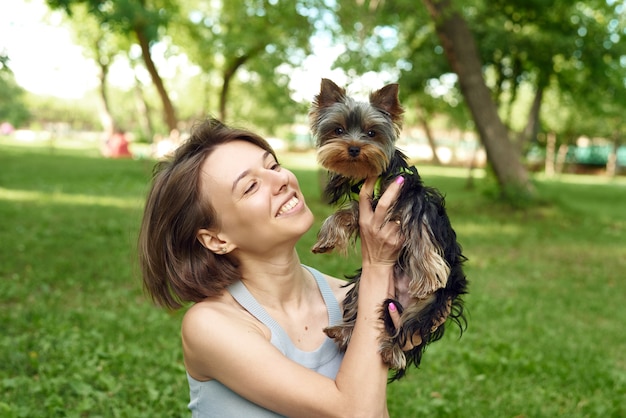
point(330, 93)
point(386, 99)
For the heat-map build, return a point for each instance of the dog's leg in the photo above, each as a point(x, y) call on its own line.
point(337, 230)
point(392, 354)
point(390, 349)
point(341, 334)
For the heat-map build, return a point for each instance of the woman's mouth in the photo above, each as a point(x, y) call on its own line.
point(292, 203)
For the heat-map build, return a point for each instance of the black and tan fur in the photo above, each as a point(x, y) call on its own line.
point(355, 140)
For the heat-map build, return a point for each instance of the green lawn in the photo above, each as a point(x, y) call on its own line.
point(547, 308)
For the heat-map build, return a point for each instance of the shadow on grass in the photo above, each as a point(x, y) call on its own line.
point(545, 334)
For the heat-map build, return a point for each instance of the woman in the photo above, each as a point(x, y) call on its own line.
point(219, 230)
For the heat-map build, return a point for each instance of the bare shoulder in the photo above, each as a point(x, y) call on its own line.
point(213, 315)
point(222, 342)
point(208, 330)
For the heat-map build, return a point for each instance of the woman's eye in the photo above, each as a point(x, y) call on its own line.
point(250, 188)
point(275, 167)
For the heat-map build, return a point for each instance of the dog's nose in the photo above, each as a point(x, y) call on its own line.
point(354, 151)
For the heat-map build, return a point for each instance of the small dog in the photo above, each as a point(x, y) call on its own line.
point(356, 140)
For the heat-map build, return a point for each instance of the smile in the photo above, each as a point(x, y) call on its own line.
point(292, 203)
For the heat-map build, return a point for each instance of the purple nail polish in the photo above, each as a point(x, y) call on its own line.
point(392, 307)
point(399, 180)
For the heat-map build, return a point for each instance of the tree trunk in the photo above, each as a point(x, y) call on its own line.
point(550, 154)
point(104, 113)
point(611, 164)
point(229, 73)
point(224, 96)
point(168, 108)
point(560, 158)
point(143, 110)
point(532, 124)
point(461, 52)
point(429, 136)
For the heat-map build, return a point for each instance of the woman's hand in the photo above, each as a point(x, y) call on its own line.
point(416, 339)
point(380, 238)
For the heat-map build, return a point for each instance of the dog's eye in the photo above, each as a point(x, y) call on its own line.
point(338, 131)
point(371, 133)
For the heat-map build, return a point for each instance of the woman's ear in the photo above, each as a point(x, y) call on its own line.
point(212, 242)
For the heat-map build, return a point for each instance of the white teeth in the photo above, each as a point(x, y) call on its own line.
point(289, 205)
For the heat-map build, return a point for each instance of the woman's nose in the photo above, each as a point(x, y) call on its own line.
point(280, 180)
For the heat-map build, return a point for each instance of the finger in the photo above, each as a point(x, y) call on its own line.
point(365, 194)
point(391, 193)
point(394, 314)
point(397, 323)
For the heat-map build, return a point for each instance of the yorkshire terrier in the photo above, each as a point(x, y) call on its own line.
point(356, 140)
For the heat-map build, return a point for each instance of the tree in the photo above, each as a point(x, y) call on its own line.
point(572, 48)
point(143, 19)
point(391, 39)
point(12, 106)
point(462, 54)
point(411, 45)
point(251, 39)
point(527, 50)
point(100, 45)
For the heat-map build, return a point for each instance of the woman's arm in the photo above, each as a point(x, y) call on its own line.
point(380, 243)
point(236, 351)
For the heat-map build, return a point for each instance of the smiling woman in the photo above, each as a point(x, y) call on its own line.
point(220, 228)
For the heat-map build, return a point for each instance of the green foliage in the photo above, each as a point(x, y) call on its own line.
point(242, 45)
point(78, 337)
point(572, 48)
point(246, 48)
point(12, 106)
point(543, 294)
point(78, 114)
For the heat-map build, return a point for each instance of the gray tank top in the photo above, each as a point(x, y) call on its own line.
point(213, 399)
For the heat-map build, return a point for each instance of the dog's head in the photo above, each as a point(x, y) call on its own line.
point(355, 139)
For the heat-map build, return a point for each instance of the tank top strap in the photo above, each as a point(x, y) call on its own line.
point(332, 306)
point(279, 338)
point(242, 295)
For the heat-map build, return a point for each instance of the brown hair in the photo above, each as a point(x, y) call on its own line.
point(176, 268)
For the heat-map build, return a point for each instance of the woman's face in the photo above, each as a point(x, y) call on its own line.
point(258, 202)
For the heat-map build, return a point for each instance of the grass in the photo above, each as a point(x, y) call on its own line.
point(79, 339)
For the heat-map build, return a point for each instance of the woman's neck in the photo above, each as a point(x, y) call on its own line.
point(277, 283)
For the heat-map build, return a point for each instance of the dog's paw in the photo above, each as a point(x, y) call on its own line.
point(341, 334)
point(393, 356)
point(335, 233)
point(322, 247)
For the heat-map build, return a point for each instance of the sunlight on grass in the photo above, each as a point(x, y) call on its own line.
point(444, 171)
point(581, 179)
point(477, 230)
point(308, 160)
point(70, 199)
point(78, 337)
point(42, 140)
point(300, 160)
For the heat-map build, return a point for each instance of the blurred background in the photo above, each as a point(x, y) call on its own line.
point(521, 85)
point(514, 109)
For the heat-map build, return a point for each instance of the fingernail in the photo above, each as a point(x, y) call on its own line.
point(399, 180)
point(392, 306)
